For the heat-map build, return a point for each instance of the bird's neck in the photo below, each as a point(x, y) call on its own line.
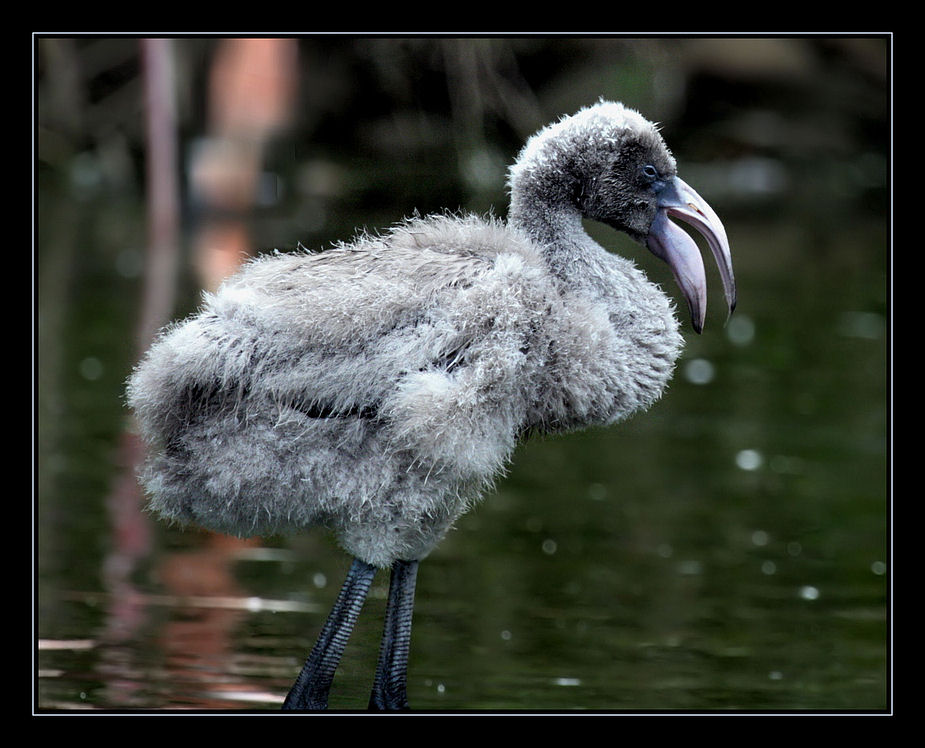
point(557, 230)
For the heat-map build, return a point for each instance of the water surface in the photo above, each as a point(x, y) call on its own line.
point(727, 550)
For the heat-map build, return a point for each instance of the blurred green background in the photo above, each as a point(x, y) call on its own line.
point(727, 551)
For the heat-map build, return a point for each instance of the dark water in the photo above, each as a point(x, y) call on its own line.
point(729, 550)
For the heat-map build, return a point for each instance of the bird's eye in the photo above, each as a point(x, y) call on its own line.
point(649, 173)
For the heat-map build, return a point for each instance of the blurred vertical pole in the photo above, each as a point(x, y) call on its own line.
point(163, 188)
point(131, 533)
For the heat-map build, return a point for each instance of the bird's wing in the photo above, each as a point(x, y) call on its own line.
point(427, 337)
point(420, 331)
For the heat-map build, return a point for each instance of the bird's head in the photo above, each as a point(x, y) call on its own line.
point(612, 165)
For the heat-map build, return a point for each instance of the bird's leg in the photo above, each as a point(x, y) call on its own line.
point(310, 690)
point(390, 686)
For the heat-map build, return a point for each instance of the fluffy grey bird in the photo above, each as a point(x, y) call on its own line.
point(378, 388)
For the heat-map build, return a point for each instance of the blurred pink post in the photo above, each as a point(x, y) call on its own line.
point(163, 188)
point(252, 86)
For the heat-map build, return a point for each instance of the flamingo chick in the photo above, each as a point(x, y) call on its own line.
point(378, 388)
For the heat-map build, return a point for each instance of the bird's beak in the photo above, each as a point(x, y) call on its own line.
point(675, 246)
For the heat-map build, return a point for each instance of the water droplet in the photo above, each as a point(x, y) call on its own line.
point(861, 325)
point(91, 368)
point(749, 459)
point(534, 524)
point(597, 491)
point(768, 567)
point(699, 371)
point(690, 568)
point(740, 330)
point(759, 537)
point(549, 546)
point(878, 568)
point(808, 592)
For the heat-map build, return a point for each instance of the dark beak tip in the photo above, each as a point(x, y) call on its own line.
point(697, 324)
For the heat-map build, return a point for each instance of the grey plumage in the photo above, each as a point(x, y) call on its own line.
point(379, 388)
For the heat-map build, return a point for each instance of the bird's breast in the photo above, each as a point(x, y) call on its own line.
point(612, 347)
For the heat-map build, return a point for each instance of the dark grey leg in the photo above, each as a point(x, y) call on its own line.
point(390, 687)
point(311, 688)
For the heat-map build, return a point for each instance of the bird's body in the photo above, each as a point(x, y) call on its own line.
point(379, 388)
